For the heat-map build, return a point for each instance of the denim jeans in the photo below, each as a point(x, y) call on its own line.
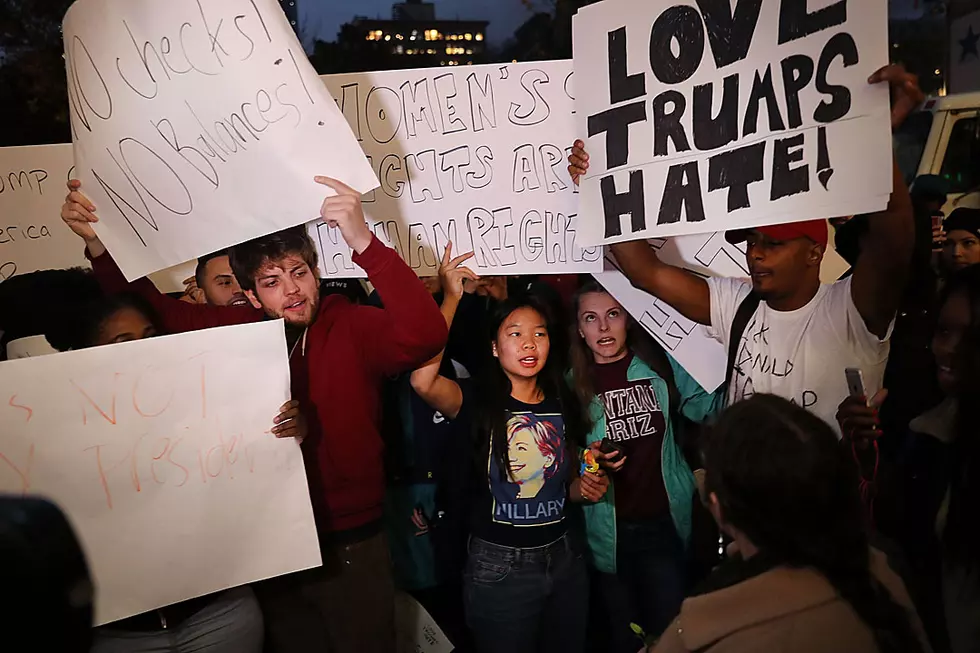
point(649, 585)
point(231, 623)
point(526, 600)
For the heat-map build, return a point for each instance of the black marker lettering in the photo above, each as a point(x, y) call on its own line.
point(711, 133)
point(797, 73)
point(762, 89)
point(615, 124)
point(539, 110)
point(843, 46)
point(796, 21)
point(615, 205)
point(788, 181)
point(682, 191)
point(681, 25)
point(735, 170)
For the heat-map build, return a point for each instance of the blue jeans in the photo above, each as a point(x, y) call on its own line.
point(650, 582)
point(526, 600)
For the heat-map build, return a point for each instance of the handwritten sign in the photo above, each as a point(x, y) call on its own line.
point(701, 118)
point(159, 452)
point(32, 235)
point(417, 631)
point(198, 125)
point(475, 155)
point(688, 342)
point(32, 189)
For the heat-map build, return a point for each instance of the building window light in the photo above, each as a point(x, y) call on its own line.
point(479, 37)
point(469, 51)
point(468, 36)
point(387, 37)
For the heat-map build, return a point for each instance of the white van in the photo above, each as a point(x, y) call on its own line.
point(943, 138)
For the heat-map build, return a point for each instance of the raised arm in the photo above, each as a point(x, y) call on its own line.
point(409, 330)
point(436, 390)
point(883, 265)
point(686, 292)
point(79, 214)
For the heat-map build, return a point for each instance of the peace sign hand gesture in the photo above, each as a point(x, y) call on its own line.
point(452, 275)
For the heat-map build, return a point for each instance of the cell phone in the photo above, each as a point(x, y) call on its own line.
point(607, 447)
point(855, 383)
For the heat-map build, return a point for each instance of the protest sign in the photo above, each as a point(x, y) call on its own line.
point(416, 630)
point(32, 235)
point(474, 155)
point(705, 118)
point(32, 190)
point(198, 125)
point(29, 347)
point(689, 343)
point(159, 453)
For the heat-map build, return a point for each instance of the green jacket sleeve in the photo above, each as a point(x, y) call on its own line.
point(697, 404)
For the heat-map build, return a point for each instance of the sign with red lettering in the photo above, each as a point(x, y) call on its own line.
point(198, 125)
point(159, 453)
point(709, 115)
point(474, 155)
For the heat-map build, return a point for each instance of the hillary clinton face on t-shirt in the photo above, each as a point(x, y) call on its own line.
point(535, 450)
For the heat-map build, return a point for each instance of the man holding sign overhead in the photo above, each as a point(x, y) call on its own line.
point(786, 334)
point(339, 356)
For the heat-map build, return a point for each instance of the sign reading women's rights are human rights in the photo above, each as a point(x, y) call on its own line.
point(198, 125)
point(708, 115)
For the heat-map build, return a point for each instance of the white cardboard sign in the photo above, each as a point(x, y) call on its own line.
point(32, 235)
point(32, 190)
point(701, 120)
point(198, 125)
point(473, 154)
point(159, 453)
point(416, 630)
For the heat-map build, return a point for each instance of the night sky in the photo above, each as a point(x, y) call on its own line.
point(323, 18)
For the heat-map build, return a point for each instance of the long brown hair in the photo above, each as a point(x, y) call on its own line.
point(638, 341)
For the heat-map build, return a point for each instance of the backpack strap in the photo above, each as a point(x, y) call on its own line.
point(741, 320)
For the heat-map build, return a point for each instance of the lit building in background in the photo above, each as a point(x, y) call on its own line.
point(414, 38)
point(292, 15)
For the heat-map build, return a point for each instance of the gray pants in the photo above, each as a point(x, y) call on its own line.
point(231, 623)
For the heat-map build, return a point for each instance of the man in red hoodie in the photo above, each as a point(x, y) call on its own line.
point(339, 355)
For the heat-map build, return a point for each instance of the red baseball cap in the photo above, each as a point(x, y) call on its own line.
point(815, 230)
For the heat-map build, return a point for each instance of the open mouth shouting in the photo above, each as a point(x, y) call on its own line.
point(239, 301)
point(296, 307)
point(606, 342)
point(529, 362)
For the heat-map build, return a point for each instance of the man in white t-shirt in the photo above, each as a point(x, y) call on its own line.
point(802, 335)
point(797, 352)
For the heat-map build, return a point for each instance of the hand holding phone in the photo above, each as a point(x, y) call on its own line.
point(858, 415)
point(611, 456)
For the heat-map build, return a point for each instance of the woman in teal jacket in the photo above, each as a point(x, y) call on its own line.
point(638, 532)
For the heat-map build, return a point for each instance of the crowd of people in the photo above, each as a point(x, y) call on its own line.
point(522, 457)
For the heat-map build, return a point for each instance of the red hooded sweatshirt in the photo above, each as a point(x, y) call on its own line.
point(349, 351)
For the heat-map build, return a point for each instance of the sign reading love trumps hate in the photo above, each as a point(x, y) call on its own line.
point(474, 155)
point(198, 125)
point(708, 115)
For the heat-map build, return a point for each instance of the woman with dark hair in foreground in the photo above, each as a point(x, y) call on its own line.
point(804, 577)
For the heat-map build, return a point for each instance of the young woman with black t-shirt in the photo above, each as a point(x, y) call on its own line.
point(639, 532)
point(525, 583)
